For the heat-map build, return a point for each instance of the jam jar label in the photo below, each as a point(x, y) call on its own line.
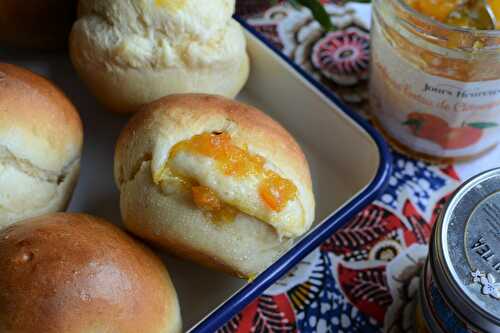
point(431, 114)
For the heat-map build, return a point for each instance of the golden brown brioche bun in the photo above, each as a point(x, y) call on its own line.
point(41, 24)
point(40, 146)
point(156, 207)
point(133, 52)
point(69, 273)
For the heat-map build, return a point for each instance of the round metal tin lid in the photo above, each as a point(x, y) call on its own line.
point(466, 251)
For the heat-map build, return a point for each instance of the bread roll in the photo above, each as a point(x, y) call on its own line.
point(41, 24)
point(40, 146)
point(213, 180)
point(73, 273)
point(133, 52)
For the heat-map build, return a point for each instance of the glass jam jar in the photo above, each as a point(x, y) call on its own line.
point(460, 284)
point(435, 88)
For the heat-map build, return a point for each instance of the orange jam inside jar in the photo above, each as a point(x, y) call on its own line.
point(274, 190)
point(459, 13)
point(435, 77)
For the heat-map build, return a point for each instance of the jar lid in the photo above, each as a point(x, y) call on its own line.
point(465, 252)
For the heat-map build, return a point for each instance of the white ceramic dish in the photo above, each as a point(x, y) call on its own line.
point(349, 165)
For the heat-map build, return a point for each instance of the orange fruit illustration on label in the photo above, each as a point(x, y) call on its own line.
point(426, 126)
point(457, 138)
point(437, 130)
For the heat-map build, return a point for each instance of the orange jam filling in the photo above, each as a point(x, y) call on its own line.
point(231, 160)
point(274, 190)
point(208, 201)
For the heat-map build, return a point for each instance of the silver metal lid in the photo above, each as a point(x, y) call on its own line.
point(465, 252)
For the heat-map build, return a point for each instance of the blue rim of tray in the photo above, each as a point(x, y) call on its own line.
point(252, 290)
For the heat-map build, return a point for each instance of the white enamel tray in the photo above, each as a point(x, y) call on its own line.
point(349, 164)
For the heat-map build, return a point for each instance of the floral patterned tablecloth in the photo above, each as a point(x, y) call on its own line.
point(365, 277)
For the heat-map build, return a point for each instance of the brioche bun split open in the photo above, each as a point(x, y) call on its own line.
point(213, 180)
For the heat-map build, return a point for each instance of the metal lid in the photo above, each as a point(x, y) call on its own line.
point(465, 252)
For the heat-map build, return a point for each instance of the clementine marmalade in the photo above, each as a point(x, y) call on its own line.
point(234, 161)
point(208, 201)
point(459, 13)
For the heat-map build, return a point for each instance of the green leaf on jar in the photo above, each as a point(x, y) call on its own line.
point(482, 125)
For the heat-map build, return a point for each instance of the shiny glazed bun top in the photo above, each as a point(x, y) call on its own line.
point(38, 122)
point(73, 273)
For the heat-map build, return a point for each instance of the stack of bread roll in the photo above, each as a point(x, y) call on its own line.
point(200, 175)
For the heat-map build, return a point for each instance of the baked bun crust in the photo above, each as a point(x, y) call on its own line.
point(130, 53)
point(41, 140)
point(158, 208)
point(41, 24)
point(76, 273)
